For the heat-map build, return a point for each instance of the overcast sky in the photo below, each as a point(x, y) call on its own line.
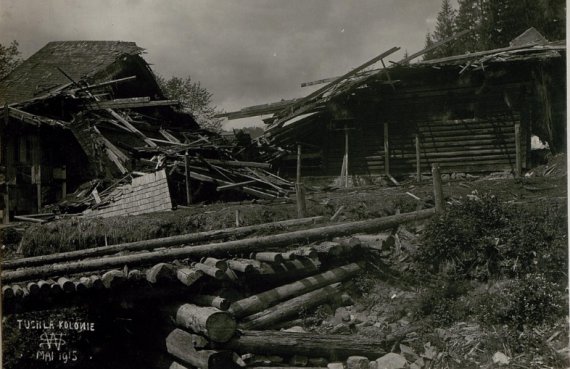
point(246, 52)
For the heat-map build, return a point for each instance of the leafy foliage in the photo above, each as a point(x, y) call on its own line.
point(9, 58)
point(194, 98)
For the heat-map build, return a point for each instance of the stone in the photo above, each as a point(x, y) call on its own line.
point(296, 328)
point(298, 360)
point(342, 315)
point(408, 353)
point(391, 361)
point(335, 366)
point(341, 329)
point(415, 366)
point(318, 361)
point(357, 362)
point(373, 365)
point(346, 300)
point(501, 359)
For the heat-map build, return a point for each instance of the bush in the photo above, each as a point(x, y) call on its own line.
point(480, 238)
point(530, 300)
point(462, 238)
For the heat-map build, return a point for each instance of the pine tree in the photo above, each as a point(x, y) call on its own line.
point(429, 55)
point(444, 28)
point(470, 17)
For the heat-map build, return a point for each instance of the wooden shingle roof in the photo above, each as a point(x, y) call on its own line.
point(39, 74)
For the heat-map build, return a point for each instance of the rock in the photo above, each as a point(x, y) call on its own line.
point(318, 361)
point(295, 328)
point(420, 362)
point(341, 329)
point(408, 353)
point(298, 360)
point(415, 366)
point(357, 362)
point(346, 300)
point(335, 366)
point(342, 315)
point(373, 365)
point(391, 361)
point(501, 359)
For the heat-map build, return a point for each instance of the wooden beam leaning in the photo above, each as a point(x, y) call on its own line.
point(155, 243)
point(256, 303)
point(217, 249)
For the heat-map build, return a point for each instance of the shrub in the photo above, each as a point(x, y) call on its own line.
point(532, 300)
point(481, 238)
point(462, 238)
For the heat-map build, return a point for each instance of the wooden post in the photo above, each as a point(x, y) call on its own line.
point(4, 160)
point(418, 161)
point(437, 188)
point(6, 218)
point(518, 151)
point(386, 150)
point(299, 163)
point(346, 156)
point(187, 174)
point(299, 188)
point(38, 175)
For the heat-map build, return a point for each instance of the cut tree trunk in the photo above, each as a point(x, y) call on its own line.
point(259, 302)
point(289, 309)
point(332, 347)
point(217, 325)
point(154, 243)
point(216, 249)
point(179, 344)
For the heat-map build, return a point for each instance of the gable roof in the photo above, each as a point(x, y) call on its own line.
point(39, 74)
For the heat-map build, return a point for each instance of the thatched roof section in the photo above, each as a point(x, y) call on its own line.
point(79, 59)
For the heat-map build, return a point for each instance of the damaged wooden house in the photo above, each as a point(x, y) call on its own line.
point(467, 113)
point(86, 125)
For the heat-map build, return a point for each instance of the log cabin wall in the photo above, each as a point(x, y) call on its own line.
point(40, 165)
point(464, 122)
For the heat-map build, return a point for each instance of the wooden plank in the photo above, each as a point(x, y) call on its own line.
point(386, 150)
point(121, 104)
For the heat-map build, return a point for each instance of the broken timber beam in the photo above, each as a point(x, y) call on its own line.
point(216, 249)
point(142, 102)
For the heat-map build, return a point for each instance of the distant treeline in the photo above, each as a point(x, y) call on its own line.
point(494, 23)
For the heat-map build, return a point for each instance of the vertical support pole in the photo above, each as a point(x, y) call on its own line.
point(4, 161)
point(237, 218)
point(188, 184)
point(437, 188)
point(418, 161)
point(518, 151)
point(386, 150)
point(6, 218)
point(299, 188)
point(64, 183)
point(38, 175)
point(346, 156)
point(299, 163)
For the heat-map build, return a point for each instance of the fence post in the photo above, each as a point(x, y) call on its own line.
point(437, 188)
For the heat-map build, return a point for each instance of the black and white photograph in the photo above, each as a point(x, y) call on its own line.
point(272, 184)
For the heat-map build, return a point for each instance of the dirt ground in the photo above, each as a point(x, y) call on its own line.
point(386, 301)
